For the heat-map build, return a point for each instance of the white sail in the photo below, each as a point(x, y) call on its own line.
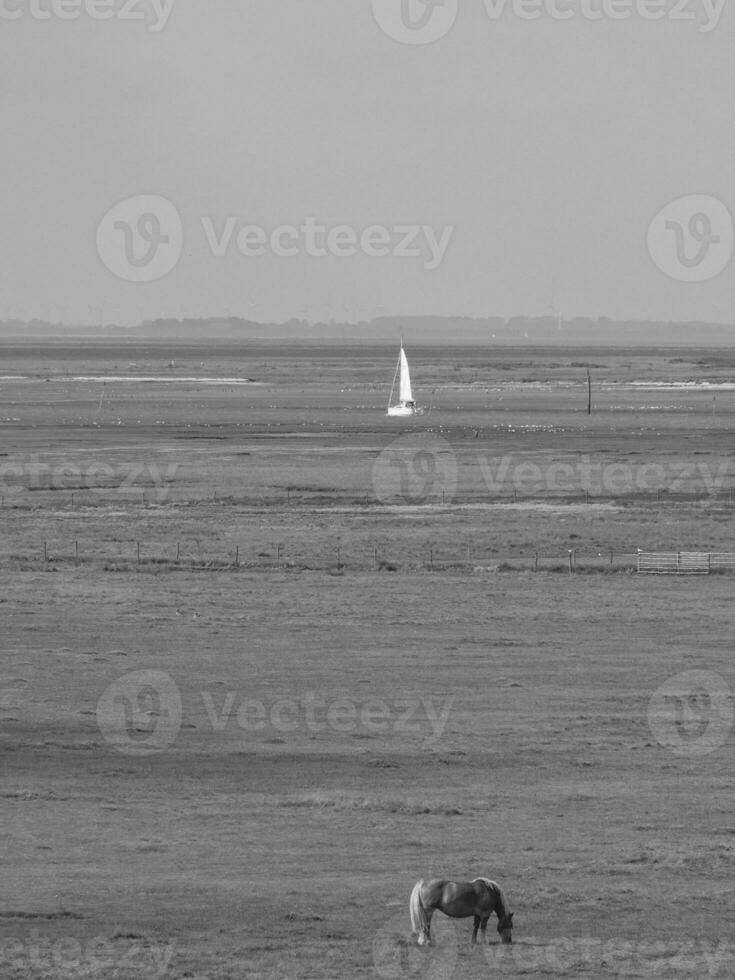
point(404, 391)
point(406, 405)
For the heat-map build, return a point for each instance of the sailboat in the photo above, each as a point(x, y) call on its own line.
point(406, 405)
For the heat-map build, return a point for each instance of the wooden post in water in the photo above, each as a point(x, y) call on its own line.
point(589, 393)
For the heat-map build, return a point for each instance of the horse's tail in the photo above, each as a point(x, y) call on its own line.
point(419, 921)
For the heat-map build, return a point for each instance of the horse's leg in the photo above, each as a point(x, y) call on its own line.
point(474, 931)
point(483, 928)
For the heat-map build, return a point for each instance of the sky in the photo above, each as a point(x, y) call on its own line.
point(346, 159)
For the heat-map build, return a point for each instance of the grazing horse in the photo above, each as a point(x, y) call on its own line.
point(459, 899)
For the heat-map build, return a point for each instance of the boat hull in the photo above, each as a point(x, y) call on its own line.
point(403, 411)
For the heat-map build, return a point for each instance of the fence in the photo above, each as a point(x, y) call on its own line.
point(150, 556)
point(684, 562)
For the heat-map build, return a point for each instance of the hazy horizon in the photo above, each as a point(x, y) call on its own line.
point(514, 166)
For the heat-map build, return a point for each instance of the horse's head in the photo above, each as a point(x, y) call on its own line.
point(505, 927)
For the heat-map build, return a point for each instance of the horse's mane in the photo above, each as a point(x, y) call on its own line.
point(495, 887)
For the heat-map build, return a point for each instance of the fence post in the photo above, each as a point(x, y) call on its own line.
point(178, 550)
point(138, 551)
point(237, 555)
point(375, 556)
point(535, 564)
point(76, 551)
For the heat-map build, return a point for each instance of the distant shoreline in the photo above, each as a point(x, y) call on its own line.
point(491, 333)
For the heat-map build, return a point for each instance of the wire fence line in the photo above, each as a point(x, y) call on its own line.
point(147, 556)
point(151, 557)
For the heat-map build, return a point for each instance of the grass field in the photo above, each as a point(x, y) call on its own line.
point(234, 756)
